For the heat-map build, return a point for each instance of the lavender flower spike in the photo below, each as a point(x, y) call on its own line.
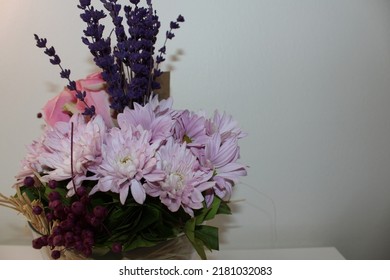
point(65, 73)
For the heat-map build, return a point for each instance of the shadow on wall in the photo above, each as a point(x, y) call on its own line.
point(253, 224)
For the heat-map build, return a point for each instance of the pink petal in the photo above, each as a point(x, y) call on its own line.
point(123, 193)
point(137, 191)
point(209, 197)
point(100, 99)
point(93, 82)
point(197, 198)
point(233, 167)
point(205, 186)
point(53, 111)
point(172, 205)
point(157, 175)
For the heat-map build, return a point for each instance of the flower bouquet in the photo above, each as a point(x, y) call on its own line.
point(117, 169)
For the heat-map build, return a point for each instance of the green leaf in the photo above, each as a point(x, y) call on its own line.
point(100, 251)
point(208, 235)
point(127, 223)
point(29, 192)
point(149, 217)
point(173, 219)
point(61, 191)
point(124, 218)
point(120, 223)
point(199, 247)
point(138, 242)
point(224, 209)
point(189, 230)
point(213, 209)
point(157, 236)
point(208, 213)
point(105, 253)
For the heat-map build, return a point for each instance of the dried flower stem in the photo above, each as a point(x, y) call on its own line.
point(71, 157)
point(22, 204)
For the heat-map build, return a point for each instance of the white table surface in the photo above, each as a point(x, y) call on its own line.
point(10, 252)
point(318, 253)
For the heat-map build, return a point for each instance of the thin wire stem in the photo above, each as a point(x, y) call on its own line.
point(71, 157)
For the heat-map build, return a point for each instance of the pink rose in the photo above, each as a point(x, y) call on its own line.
point(54, 110)
point(64, 105)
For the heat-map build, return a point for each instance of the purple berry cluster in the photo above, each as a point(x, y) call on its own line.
point(74, 225)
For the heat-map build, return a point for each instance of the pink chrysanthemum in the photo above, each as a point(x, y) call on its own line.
point(162, 107)
point(184, 182)
point(225, 126)
point(128, 157)
point(85, 150)
point(190, 128)
point(30, 164)
point(221, 157)
point(159, 125)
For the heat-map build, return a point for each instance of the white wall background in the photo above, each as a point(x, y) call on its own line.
point(308, 80)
